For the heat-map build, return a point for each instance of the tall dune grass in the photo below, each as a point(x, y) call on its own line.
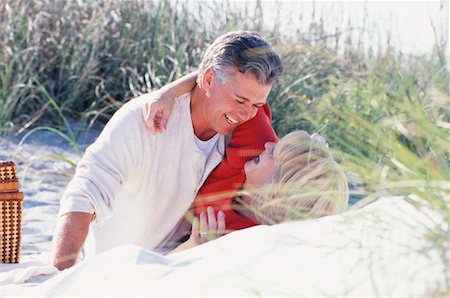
point(89, 56)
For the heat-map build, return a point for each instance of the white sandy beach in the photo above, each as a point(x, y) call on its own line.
point(43, 178)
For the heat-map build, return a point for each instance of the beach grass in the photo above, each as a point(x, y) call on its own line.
point(385, 113)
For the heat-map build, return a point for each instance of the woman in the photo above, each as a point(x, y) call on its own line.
point(294, 179)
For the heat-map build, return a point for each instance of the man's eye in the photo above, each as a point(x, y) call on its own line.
point(239, 101)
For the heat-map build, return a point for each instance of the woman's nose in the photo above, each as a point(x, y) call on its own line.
point(269, 146)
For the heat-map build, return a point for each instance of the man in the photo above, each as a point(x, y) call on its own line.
point(136, 187)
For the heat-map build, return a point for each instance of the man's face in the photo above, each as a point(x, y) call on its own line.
point(234, 102)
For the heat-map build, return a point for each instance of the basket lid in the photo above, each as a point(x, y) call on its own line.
point(9, 182)
point(8, 172)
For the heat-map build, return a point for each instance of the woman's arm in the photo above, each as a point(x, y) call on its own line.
point(208, 230)
point(156, 114)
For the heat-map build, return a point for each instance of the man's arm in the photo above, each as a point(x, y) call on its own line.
point(70, 234)
point(100, 175)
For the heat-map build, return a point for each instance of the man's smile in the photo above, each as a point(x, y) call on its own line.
point(230, 119)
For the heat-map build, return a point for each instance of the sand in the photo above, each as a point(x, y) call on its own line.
point(43, 176)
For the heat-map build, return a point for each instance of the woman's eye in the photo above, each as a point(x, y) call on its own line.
point(239, 101)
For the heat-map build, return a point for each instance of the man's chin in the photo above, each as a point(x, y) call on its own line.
point(227, 131)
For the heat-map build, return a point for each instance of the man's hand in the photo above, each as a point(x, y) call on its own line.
point(210, 228)
point(71, 232)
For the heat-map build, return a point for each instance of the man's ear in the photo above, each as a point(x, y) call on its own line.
point(208, 79)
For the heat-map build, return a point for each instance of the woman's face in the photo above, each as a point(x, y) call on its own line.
point(260, 169)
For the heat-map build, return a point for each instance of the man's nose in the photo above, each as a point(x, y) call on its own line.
point(247, 113)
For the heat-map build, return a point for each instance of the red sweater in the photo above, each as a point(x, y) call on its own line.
point(228, 177)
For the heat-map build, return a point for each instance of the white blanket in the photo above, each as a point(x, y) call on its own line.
point(380, 250)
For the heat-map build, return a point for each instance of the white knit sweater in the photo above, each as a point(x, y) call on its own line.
point(139, 185)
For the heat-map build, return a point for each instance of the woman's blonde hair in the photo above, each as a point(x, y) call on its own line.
point(307, 182)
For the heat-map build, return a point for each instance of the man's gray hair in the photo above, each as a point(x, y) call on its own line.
point(245, 51)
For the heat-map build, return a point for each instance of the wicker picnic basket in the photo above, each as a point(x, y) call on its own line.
point(10, 213)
